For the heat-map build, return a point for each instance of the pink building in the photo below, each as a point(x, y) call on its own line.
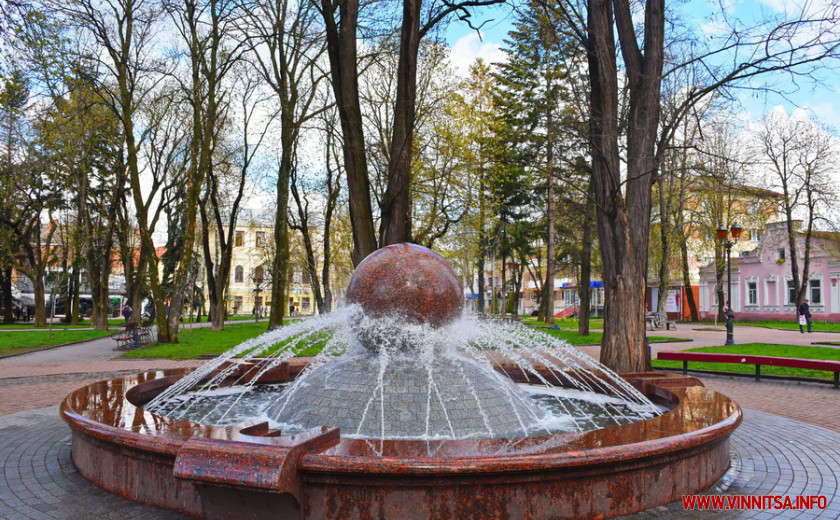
point(762, 285)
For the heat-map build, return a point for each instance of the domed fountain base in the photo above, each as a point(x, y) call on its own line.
point(251, 471)
point(447, 397)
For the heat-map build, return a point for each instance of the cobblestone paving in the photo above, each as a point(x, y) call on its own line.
point(771, 455)
point(39, 481)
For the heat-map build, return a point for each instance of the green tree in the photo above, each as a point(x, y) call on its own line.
point(533, 98)
point(13, 101)
point(81, 139)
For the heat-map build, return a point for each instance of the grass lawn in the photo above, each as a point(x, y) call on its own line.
point(12, 342)
point(761, 349)
point(565, 323)
point(792, 324)
point(199, 341)
point(594, 338)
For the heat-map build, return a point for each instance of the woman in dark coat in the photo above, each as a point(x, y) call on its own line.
point(805, 310)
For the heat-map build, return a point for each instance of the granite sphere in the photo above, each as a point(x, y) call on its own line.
point(407, 282)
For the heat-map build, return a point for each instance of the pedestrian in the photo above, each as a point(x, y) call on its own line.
point(291, 309)
point(804, 315)
point(126, 312)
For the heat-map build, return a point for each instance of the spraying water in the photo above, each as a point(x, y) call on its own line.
point(450, 385)
point(400, 362)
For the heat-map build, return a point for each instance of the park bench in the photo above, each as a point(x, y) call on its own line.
point(758, 361)
point(134, 335)
point(657, 320)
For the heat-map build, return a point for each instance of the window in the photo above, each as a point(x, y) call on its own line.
point(752, 293)
point(237, 304)
point(791, 292)
point(259, 274)
point(815, 287)
point(239, 239)
point(238, 274)
point(755, 234)
point(780, 254)
point(260, 238)
point(304, 304)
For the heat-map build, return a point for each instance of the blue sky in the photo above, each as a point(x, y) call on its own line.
point(708, 16)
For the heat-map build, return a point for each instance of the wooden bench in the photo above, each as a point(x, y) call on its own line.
point(657, 320)
point(134, 335)
point(758, 361)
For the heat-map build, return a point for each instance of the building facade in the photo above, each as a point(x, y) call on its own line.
point(762, 284)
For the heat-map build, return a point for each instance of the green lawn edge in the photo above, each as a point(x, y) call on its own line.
point(13, 343)
point(760, 349)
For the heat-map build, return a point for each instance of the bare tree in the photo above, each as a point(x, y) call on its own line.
point(796, 43)
point(316, 202)
point(221, 202)
point(801, 156)
point(286, 45)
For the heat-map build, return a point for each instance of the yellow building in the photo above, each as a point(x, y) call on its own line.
point(250, 286)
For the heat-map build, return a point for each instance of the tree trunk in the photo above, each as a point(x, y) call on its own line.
point(664, 244)
point(586, 266)
point(395, 226)
point(547, 306)
point(624, 217)
point(40, 307)
point(75, 297)
point(689, 294)
point(6, 295)
point(280, 263)
point(341, 48)
point(481, 281)
point(101, 306)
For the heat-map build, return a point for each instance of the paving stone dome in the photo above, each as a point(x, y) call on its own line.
point(446, 397)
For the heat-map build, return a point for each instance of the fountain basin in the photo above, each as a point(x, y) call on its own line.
point(251, 471)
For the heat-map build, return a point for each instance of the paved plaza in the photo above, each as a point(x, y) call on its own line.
point(787, 444)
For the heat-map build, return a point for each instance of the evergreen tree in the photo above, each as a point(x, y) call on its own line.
point(533, 96)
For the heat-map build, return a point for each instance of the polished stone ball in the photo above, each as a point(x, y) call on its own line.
point(408, 282)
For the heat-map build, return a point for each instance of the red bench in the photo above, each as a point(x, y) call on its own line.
point(758, 361)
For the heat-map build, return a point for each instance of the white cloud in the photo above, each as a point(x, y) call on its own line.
point(469, 48)
point(827, 113)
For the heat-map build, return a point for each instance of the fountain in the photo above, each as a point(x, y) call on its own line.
point(420, 417)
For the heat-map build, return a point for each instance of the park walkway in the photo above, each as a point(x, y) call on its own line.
point(786, 445)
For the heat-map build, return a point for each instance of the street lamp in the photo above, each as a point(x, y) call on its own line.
point(258, 280)
point(735, 232)
point(514, 268)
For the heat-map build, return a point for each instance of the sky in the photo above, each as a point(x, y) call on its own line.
point(707, 15)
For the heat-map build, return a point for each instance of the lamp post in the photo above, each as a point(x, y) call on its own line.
point(735, 232)
point(258, 280)
point(514, 268)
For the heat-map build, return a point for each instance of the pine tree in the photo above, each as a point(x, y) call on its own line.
point(533, 98)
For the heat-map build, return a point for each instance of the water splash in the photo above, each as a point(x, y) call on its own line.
point(411, 382)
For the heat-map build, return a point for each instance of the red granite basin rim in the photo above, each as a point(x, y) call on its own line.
point(701, 416)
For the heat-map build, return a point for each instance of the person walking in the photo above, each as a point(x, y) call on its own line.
point(804, 315)
point(126, 312)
